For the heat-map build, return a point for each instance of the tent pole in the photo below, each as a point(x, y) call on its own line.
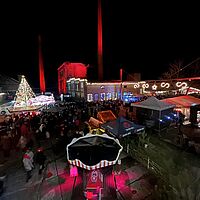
point(159, 121)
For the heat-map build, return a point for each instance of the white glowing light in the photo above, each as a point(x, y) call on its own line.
point(145, 85)
point(154, 87)
point(136, 85)
point(181, 84)
point(165, 85)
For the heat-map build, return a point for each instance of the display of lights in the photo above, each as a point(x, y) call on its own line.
point(181, 84)
point(168, 117)
point(104, 83)
point(136, 85)
point(76, 79)
point(133, 83)
point(24, 93)
point(165, 85)
point(154, 87)
point(145, 85)
point(41, 100)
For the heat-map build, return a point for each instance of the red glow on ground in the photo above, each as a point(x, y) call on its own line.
point(122, 179)
point(66, 184)
point(73, 171)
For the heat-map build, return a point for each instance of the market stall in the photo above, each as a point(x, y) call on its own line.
point(160, 113)
point(122, 127)
point(89, 151)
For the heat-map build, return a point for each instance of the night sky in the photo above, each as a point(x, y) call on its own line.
point(143, 37)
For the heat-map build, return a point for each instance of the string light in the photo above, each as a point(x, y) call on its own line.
point(154, 87)
point(24, 92)
point(165, 85)
point(145, 85)
point(181, 84)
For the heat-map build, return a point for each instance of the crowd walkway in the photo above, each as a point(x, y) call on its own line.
point(56, 184)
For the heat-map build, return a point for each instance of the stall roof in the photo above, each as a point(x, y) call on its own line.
point(183, 101)
point(122, 127)
point(106, 116)
point(93, 151)
point(154, 104)
point(25, 108)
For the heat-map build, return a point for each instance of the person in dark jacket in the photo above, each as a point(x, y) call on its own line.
point(40, 159)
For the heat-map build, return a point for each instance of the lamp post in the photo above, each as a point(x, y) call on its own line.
point(148, 160)
point(121, 79)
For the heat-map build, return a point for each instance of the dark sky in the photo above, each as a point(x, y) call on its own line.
point(143, 37)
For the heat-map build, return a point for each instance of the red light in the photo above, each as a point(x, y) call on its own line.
point(89, 195)
point(73, 171)
point(41, 68)
point(40, 149)
point(49, 174)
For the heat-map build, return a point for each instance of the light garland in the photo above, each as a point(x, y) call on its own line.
point(165, 85)
point(154, 87)
point(76, 79)
point(136, 85)
point(145, 85)
point(181, 84)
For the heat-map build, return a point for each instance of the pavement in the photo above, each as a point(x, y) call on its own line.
point(134, 181)
point(56, 184)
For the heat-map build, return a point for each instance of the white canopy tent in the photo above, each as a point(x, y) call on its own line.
point(154, 104)
point(158, 109)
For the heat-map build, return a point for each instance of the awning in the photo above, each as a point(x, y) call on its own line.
point(183, 101)
point(153, 103)
point(93, 151)
point(122, 127)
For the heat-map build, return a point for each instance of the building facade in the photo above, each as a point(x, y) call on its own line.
point(70, 70)
point(72, 79)
point(99, 91)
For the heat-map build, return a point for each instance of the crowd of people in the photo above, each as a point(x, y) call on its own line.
point(23, 132)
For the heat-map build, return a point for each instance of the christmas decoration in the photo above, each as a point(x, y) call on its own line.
point(24, 93)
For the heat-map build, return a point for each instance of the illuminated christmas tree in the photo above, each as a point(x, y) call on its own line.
point(24, 93)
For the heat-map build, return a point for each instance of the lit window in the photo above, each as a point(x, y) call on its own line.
point(89, 97)
point(96, 97)
point(114, 95)
point(103, 96)
point(108, 95)
point(68, 86)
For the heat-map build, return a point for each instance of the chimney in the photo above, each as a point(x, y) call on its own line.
point(100, 43)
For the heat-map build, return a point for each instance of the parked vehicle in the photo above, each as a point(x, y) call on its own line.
point(4, 108)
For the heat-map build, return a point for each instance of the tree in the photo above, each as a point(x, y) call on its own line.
point(177, 70)
point(24, 93)
point(173, 71)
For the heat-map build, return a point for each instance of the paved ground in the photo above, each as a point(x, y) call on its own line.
point(60, 185)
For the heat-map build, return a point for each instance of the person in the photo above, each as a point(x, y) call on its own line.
point(6, 145)
point(28, 163)
point(40, 159)
point(22, 143)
